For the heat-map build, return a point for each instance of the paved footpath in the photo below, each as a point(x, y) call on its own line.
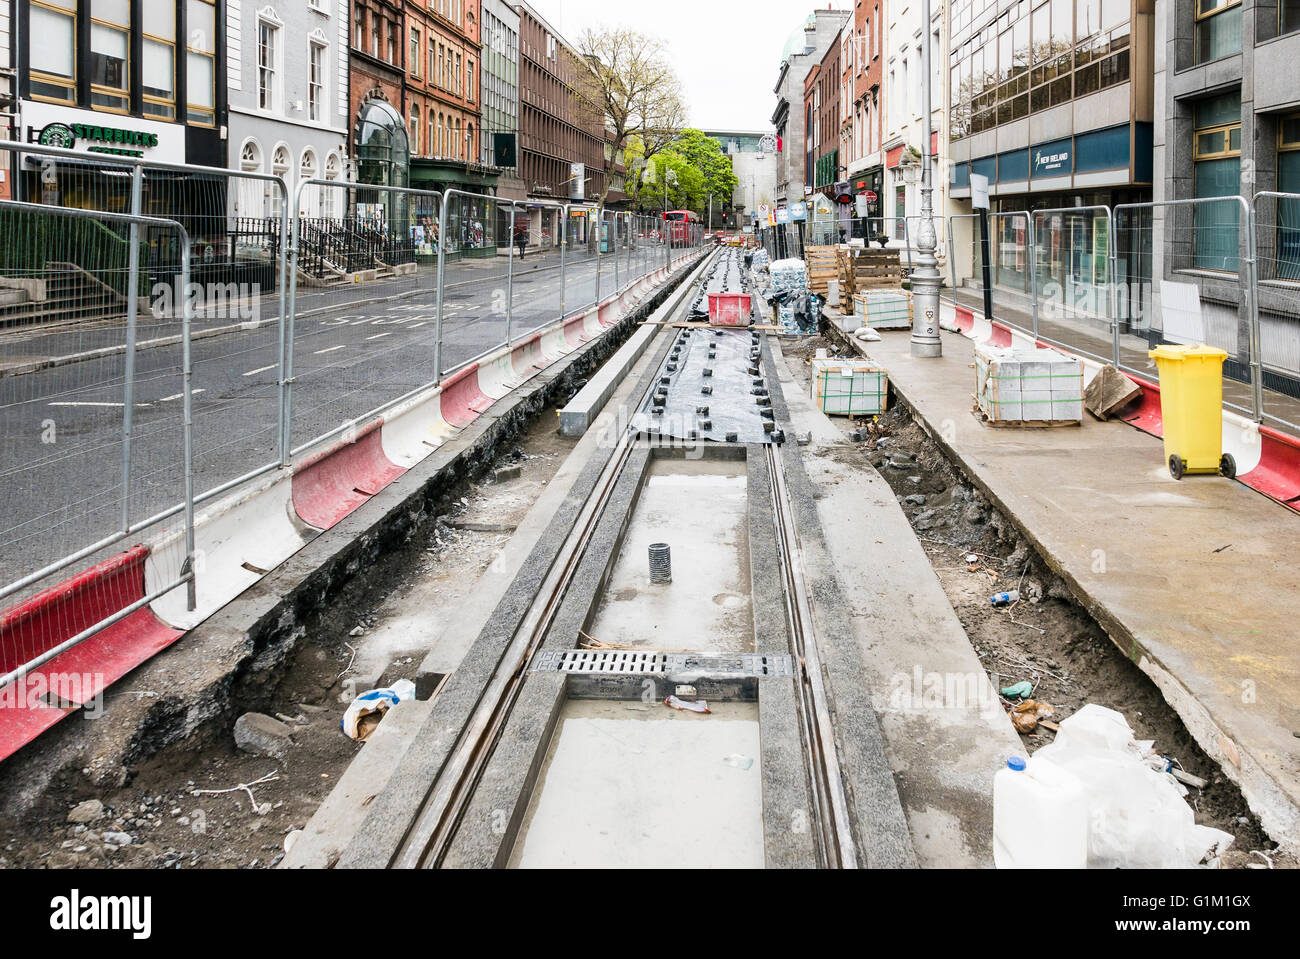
point(1195, 580)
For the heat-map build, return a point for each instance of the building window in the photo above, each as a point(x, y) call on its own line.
point(329, 193)
point(376, 31)
point(52, 58)
point(433, 57)
point(469, 81)
point(158, 70)
point(415, 53)
point(415, 129)
point(1288, 16)
point(1288, 208)
point(267, 40)
point(316, 81)
point(110, 30)
point(279, 167)
point(1216, 156)
point(251, 193)
point(1218, 29)
point(200, 63)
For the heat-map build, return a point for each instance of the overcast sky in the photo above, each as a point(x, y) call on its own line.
point(726, 51)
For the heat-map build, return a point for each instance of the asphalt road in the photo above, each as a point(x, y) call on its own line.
point(61, 428)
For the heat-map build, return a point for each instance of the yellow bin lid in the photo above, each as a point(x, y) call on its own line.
point(1197, 352)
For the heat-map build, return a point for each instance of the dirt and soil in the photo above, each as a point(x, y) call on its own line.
point(164, 818)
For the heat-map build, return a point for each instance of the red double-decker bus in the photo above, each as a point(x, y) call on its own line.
point(681, 224)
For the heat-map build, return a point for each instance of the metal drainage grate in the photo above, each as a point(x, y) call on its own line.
point(636, 663)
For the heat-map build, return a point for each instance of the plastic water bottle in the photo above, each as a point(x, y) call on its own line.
point(1040, 817)
point(1005, 599)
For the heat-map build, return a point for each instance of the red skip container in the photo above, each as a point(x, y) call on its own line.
point(729, 309)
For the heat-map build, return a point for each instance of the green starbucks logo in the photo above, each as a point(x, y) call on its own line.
point(57, 135)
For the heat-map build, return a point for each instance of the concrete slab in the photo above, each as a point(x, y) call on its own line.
point(1188, 578)
point(699, 509)
point(943, 754)
point(637, 785)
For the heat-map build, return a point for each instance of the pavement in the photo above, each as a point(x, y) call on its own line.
point(1192, 580)
point(61, 427)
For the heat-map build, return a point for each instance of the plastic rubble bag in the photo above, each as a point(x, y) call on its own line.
point(699, 706)
point(1138, 818)
point(1026, 715)
point(867, 334)
point(365, 712)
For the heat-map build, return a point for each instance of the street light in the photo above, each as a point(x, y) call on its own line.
point(925, 278)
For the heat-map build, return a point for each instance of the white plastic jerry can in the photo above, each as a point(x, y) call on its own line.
point(1040, 817)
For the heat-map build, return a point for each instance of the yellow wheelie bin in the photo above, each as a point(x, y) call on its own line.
point(1191, 405)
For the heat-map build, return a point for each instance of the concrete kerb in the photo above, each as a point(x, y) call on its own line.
point(882, 835)
point(786, 803)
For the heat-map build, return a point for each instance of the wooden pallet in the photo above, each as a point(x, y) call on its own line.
point(823, 266)
point(867, 269)
point(981, 417)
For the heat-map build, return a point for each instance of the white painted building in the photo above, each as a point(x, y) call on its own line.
point(902, 144)
point(287, 82)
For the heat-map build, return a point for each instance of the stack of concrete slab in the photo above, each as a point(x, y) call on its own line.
point(849, 387)
point(1028, 387)
point(884, 309)
point(789, 275)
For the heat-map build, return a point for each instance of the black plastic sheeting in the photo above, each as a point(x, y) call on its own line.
point(725, 276)
point(711, 388)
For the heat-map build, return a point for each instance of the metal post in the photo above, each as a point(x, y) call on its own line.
point(1033, 269)
point(510, 272)
point(187, 376)
point(952, 258)
point(1252, 314)
point(600, 241)
point(132, 312)
point(442, 272)
point(1112, 291)
point(925, 278)
point(564, 242)
point(286, 358)
point(286, 343)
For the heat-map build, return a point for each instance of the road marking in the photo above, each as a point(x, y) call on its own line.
point(330, 350)
point(418, 325)
point(177, 396)
point(379, 336)
point(85, 404)
point(261, 369)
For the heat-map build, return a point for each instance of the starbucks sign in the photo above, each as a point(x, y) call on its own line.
point(86, 131)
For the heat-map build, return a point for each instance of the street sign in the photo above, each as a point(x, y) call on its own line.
point(979, 191)
point(577, 181)
point(870, 196)
point(798, 211)
point(783, 215)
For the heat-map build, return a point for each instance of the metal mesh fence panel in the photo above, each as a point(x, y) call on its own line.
point(1277, 244)
point(93, 460)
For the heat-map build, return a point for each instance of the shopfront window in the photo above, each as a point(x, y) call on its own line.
point(110, 30)
point(52, 50)
point(1288, 209)
point(1218, 29)
point(1216, 154)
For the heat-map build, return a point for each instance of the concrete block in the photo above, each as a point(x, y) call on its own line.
point(263, 735)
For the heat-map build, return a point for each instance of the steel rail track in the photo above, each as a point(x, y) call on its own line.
point(831, 806)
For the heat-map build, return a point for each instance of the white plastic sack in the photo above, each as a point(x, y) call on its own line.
point(371, 702)
point(1138, 816)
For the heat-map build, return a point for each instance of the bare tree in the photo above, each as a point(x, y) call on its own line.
point(633, 86)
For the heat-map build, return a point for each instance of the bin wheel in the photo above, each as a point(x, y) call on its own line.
point(1228, 466)
point(1177, 467)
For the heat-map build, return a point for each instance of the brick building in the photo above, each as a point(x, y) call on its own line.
point(555, 131)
